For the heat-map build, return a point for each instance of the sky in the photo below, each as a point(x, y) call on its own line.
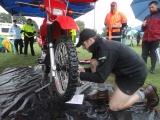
point(102, 7)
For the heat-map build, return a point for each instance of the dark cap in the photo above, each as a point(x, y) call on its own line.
point(29, 19)
point(14, 20)
point(113, 3)
point(85, 35)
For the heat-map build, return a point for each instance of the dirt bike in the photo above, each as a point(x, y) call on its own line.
point(61, 62)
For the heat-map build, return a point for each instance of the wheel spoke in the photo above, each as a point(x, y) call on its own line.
point(61, 59)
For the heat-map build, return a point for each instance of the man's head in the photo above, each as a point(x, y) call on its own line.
point(86, 38)
point(113, 7)
point(29, 21)
point(14, 21)
point(153, 6)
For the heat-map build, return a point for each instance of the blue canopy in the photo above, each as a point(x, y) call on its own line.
point(15, 9)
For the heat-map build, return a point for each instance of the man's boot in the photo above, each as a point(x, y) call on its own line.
point(151, 96)
point(152, 71)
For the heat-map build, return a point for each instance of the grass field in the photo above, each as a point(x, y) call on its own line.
point(12, 60)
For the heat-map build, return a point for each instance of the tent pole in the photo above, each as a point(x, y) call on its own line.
point(94, 16)
point(12, 19)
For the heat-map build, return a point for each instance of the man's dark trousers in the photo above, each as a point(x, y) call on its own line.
point(18, 43)
point(149, 49)
point(28, 40)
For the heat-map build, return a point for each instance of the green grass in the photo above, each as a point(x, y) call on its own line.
point(83, 54)
point(12, 60)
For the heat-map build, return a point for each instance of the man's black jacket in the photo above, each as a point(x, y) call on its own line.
point(114, 57)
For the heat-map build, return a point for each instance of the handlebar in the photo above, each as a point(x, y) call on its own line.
point(30, 4)
point(27, 4)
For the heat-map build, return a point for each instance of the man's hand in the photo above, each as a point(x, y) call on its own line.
point(110, 38)
point(81, 69)
point(144, 23)
point(117, 25)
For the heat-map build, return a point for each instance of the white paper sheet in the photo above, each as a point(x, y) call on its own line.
point(76, 99)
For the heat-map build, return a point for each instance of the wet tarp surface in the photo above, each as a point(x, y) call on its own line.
point(22, 99)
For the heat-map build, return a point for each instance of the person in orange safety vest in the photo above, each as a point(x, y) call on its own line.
point(115, 21)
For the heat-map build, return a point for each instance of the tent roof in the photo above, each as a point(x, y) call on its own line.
point(15, 9)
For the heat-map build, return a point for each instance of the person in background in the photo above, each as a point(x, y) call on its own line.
point(124, 35)
point(15, 32)
point(151, 37)
point(29, 32)
point(115, 21)
point(138, 37)
point(131, 40)
point(73, 35)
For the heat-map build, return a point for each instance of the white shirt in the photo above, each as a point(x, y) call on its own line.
point(15, 32)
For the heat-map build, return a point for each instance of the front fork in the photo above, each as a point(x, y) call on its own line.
point(51, 50)
point(52, 60)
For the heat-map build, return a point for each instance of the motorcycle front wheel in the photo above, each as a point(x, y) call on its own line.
point(66, 78)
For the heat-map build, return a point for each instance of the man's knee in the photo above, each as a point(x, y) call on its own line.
point(119, 100)
point(153, 54)
point(115, 106)
point(144, 55)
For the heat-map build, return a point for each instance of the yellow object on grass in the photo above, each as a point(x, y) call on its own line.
point(7, 45)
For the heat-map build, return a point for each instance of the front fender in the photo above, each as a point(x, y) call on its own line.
point(66, 22)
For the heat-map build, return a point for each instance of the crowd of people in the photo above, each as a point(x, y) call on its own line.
point(28, 31)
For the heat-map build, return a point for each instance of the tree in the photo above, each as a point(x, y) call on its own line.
point(5, 18)
point(20, 19)
point(81, 25)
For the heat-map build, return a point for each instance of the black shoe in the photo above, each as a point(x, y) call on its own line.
point(151, 96)
point(152, 71)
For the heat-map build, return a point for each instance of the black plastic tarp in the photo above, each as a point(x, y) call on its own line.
point(20, 101)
